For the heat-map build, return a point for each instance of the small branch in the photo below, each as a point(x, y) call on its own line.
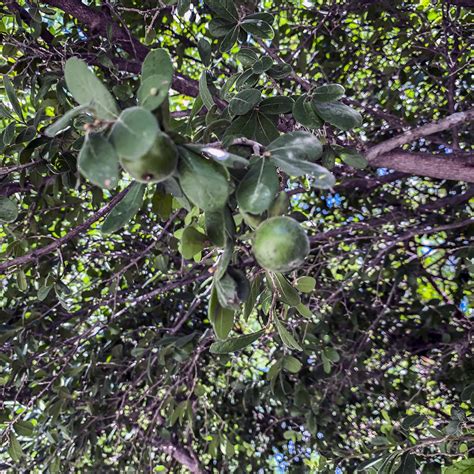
point(52, 247)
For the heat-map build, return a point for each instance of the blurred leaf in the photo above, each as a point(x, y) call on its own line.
point(245, 101)
point(192, 242)
point(98, 162)
point(328, 93)
point(340, 115)
point(87, 89)
point(125, 210)
point(257, 190)
point(134, 133)
point(235, 343)
point(8, 210)
point(286, 337)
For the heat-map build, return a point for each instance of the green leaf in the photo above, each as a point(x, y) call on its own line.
point(8, 134)
point(204, 91)
point(280, 205)
point(304, 113)
point(285, 291)
point(5, 112)
point(255, 126)
point(245, 101)
point(157, 63)
point(295, 152)
point(292, 364)
point(247, 79)
point(203, 181)
point(98, 162)
point(156, 79)
point(262, 65)
point(62, 123)
point(21, 280)
point(258, 28)
point(304, 311)
point(220, 226)
point(412, 421)
point(267, 17)
point(257, 190)
point(125, 210)
point(280, 71)
point(235, 343)
point(229, 40)
point(8, 210)
point(12, 97)
point(286, 337)
point(328, 159)
point(224, 259)
point(223, 322)
point(205, 51)
point(331, 354)
point(228, 86)
point(153, 91)
point(230, 160)
point(328, 93)
point(340, 115)
point(247, 57)
point(354, 159)
point(408, 465)
point(87, 89)
point(43, 292)
point(326, 363)
point(255, 289)
point(24, 428)
point(134, 133)
point(219, 27)
point(183, 6)
point(224, 8)
point(14, 449)
point(276, 105)
point(192, 242)
point(232, 289)
point(465, 466)
point(305, 284)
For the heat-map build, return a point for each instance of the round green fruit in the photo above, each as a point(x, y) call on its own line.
point(158, 164)
point(280, 244)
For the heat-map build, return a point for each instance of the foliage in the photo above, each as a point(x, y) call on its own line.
point(146, 153)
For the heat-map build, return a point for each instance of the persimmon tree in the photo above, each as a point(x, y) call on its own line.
point(236, 236)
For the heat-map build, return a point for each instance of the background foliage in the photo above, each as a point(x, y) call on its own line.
point(104, 356)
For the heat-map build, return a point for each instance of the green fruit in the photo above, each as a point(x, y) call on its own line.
point(280, 244)
point(158, 164)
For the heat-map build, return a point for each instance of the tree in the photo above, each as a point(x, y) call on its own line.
point(236, 236)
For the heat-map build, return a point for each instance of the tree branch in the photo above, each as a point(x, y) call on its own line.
point(444, 124)
point(36, 254)
point(97, 21)
point(424, 164)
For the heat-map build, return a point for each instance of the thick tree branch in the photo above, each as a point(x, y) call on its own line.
point(424, 164)
point(444, 124)
point(98, 21)
point(52, 247)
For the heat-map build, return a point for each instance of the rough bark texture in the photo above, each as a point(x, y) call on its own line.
point(424, 164)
